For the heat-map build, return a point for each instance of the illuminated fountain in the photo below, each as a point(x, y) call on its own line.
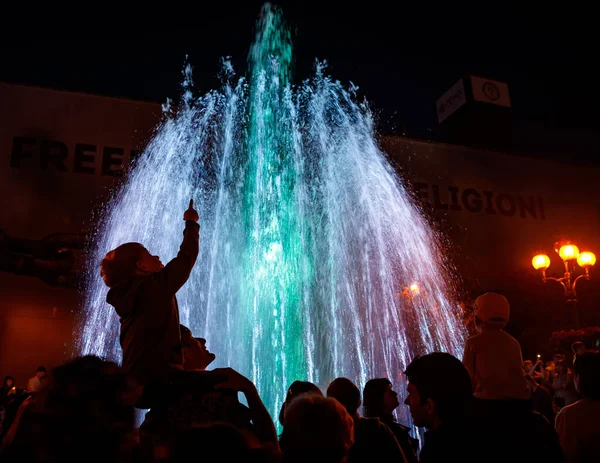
point(307, 233)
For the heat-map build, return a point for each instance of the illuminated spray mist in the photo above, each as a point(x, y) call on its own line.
point(307, 234)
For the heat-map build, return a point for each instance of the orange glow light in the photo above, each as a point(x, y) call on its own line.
point(568, 252)
point(414, 288)
point(586, 259)
point(540, 262)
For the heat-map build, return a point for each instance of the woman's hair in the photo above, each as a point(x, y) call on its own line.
point(6, 378)
point(317, 428)
point(296, 389)
point(373, 397)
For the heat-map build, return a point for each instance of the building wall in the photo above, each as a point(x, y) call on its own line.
point(62, 152)
point(497, 211)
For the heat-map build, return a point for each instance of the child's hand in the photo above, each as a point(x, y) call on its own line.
point(191, 213)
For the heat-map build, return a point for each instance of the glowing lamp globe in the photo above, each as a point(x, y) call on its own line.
point(568, 252)
point(586, 259)
point(540, 262)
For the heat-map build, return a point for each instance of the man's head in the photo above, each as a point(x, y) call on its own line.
point(346, 393)
point(196, 355)
point(127, 261)
point(492, 310)
point(379, 398)
point(587, 375)
point(439, 389)
point(84, 406)
point(41, 372)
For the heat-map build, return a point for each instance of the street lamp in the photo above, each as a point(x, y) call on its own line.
point(570, 254)
point(412, 291)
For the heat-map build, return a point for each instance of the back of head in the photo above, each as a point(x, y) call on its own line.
point(492, 309)
point(296, 389)
point(373, 394)
point(444, 379)
point(346, 393)
point(587, 375)
point(120, 264)
point(318, 429)
point(84, 408)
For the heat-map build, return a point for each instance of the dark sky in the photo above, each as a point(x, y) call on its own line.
point(401, 59)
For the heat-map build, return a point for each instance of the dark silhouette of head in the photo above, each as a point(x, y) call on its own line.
point(374, 397)
point(87, 406)
point(317, 429)
point(297, 388)
point(8, 382)
point(345, 392)
point(587, 375)
point(439, 389)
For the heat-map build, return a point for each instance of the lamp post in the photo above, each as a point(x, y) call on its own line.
point(570, 254)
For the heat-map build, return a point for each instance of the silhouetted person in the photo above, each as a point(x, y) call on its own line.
point(562, 382)
point(318, 429)
point(493, 357)
point(379, 401)
point(85, 411)
point(196, 356)
point(142, 291)
point(578, 424)
point(541, 399)
point(35, 384)
point(7, 391)
point(296, 389)
point(197, 397)
point(373, 440)
point(440, 396)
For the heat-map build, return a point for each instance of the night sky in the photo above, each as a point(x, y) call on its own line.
point(402, 60)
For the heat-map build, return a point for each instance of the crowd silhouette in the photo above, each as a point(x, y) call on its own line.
point(491, 406)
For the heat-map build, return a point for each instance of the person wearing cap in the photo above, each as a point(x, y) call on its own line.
point(493, 357)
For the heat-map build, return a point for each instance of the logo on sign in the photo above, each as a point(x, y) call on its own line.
point(491, 91)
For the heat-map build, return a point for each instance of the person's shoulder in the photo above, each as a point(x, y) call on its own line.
point(569, 409)
point(473, 339)
point(509, 339)
point(582, 404)
point(372, 424)
point(371, 421)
